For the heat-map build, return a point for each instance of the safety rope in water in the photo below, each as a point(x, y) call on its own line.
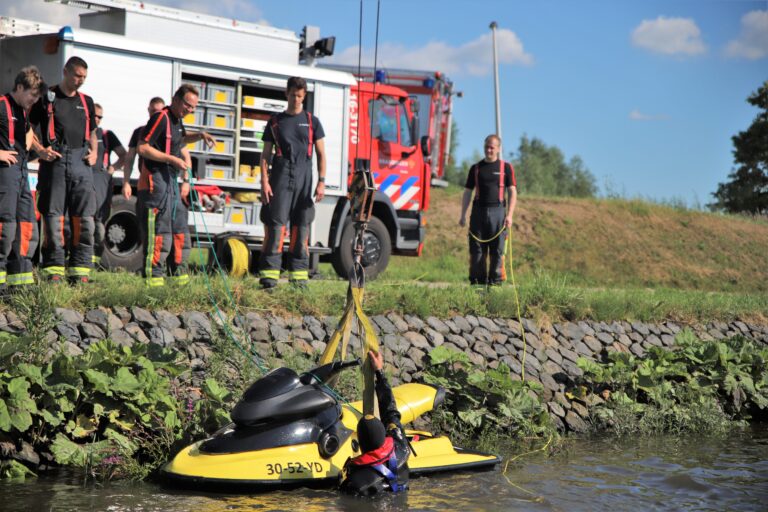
point(253, 356)
point(511, 459)
point(514, 288)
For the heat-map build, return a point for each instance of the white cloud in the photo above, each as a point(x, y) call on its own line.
point(670, 36)
point(753, 41)
point(472, 58)
point(636, 115)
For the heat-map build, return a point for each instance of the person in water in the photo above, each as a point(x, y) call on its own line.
point(383, 463)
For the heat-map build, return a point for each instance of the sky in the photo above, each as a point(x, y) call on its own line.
point(647, 92)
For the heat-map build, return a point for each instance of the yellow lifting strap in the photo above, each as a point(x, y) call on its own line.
point(354, 310)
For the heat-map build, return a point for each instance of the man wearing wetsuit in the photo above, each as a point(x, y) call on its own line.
point(383, 463)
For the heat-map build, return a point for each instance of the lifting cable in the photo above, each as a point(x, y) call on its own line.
point(360, 197)
point(252, 356)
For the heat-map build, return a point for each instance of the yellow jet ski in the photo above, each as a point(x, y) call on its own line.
point(291, 430)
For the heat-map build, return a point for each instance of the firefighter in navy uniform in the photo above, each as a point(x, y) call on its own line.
point(383, 463)
point(18, 226)
point(65, 180)
point(108, 143)
point(156, 104)
point(162, 202)
point(286, 190)
point(491, 213)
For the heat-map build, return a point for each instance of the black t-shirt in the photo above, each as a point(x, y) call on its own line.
point(69, 118)
point(488, 177)
point(155, 134)
point(112, 143)
point(293, 134)
point(135, 137)
point(20, 126)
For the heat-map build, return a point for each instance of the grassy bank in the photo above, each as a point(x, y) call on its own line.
point(541, 296)
point(623, 244)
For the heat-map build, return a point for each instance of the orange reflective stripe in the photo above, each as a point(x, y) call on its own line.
point(309, 146)
point(105, 142)
point(158, 248)
point(11, 126)
point(76, 228)
point(87, 117)
point(178, 246)
point(26, 236)
point(294, 236)
point(275, 131)
point(501, 181)
point(61, 229)
point(1, 229)
point(282, 239)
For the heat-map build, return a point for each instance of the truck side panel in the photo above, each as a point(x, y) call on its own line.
point(123, 84)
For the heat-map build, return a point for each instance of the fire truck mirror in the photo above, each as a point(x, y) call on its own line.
point(426, 145)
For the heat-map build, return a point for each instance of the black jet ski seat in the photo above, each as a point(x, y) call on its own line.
point(280, 396)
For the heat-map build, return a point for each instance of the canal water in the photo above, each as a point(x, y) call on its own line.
point(658, 473)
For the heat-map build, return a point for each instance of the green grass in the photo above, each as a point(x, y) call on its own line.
point(542, 296)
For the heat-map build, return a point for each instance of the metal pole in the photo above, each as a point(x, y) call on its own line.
point(496, 79)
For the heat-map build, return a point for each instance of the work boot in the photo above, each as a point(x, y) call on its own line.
point(267, 284)
point(56, 279)
point(300, 285)
point(75, 280)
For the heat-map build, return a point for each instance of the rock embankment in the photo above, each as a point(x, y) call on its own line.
point(546, 354)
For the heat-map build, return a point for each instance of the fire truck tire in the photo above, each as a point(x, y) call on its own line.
point(377, 248)
point(122, 237)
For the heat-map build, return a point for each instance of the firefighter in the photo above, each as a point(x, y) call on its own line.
point(66, 118)
point(18, 226)
point(108, 143)
point(162, 202)
point(156, 104)
point(491, 214)
point(286, 190)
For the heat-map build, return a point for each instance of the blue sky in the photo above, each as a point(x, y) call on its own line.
point(648, 93)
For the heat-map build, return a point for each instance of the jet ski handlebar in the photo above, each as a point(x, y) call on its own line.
point(327, 371)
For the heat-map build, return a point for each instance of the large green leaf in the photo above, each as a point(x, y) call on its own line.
point(100, 381)
point(5, 417)
point(125, 382)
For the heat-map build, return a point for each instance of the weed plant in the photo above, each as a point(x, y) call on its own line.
point(700, 387)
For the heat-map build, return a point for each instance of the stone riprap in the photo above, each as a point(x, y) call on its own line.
point(548, 355)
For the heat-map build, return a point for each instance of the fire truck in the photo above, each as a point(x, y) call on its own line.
point(432, 93)
point(136, 51)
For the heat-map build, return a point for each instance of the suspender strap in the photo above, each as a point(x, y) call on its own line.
point(9, 113)
point(51, 127)
point(148, 135)
point(273, 125)
point(502, 169)
point(87, 117)
point(105, 141)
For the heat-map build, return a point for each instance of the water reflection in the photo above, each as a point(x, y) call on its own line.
point(662, 473)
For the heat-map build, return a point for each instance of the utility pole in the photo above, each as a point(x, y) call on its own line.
point(496, 79)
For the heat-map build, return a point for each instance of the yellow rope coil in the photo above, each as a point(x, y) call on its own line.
point(239, 252)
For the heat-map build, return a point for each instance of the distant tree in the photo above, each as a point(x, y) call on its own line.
point(454, 171)
point(542, 169)
point(747, 190)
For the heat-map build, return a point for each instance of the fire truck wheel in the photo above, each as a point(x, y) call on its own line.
point(122, 236)
point(377, 247)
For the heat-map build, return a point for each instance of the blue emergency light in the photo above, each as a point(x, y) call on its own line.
point(66, 33)
point(380, 76)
